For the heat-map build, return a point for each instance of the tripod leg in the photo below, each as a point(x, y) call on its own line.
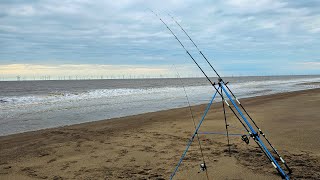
point(226, 123)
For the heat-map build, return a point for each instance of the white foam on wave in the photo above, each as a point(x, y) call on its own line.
point(93, 94)
point(245, 88)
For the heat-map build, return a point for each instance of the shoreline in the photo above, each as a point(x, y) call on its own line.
point(149, 145)
point(117, 118)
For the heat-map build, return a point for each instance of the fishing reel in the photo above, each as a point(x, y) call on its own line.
point(245, 138)
point(203, 167)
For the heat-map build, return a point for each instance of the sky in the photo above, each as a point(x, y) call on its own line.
point(124, 39)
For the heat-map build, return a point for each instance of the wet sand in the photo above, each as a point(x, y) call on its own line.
point(148, 146)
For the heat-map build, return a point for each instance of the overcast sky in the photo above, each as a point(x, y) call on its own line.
point(79, 37)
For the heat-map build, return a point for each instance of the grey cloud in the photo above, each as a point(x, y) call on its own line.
point(97, 30)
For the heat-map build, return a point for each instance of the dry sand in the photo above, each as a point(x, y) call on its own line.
point(148, 146)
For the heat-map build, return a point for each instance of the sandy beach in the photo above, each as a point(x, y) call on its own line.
point(148, 146)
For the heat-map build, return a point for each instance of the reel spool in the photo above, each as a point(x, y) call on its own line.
point(245, 138)
point(203, 167)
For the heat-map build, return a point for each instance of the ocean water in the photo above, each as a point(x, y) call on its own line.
point(33, 105)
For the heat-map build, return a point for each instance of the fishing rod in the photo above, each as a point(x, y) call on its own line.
point(207, 77)
point(195, 127)
point(213, 84)
point(252, 132)
point(260, 131)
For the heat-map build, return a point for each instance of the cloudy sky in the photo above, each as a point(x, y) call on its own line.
point(122, 37)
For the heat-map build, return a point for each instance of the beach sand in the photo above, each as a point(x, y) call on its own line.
point(148, 146)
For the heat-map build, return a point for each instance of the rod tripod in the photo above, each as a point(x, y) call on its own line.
point(253, 134)
point(239, 113)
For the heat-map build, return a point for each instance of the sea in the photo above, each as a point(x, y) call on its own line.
point(34, 105)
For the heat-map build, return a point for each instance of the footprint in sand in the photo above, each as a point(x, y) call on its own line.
point(52, 160)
